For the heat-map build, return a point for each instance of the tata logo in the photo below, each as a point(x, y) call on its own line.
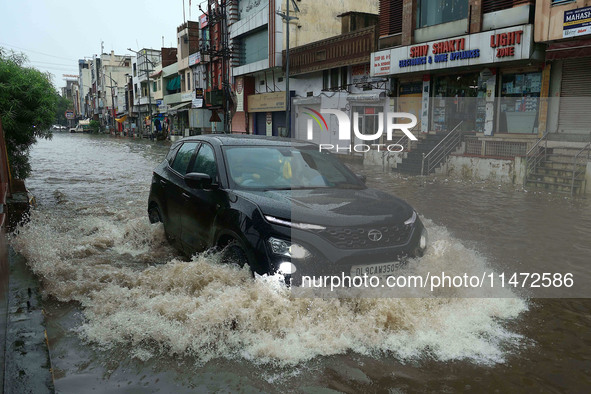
point(345, 124)
point(374, 235)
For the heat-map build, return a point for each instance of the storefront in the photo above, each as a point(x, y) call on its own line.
point(571, 65)
point(268, 113)
point(485, 82)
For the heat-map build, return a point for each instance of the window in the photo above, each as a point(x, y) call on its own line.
point(205, 162)
point(254, 47)
point(335, 78)
point(154, 86)
point(183, 157)
point(188, 78)
point(368, 121)
point(434, 12)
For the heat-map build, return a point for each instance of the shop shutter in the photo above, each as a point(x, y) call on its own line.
point(575, 96)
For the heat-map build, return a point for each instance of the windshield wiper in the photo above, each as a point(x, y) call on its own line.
point(295, 188)
point(344, 185)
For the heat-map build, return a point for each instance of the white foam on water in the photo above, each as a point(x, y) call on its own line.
point(136, 294)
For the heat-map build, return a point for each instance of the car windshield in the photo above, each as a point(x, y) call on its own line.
point(287, 167)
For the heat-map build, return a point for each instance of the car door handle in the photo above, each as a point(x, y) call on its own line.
point(162, 182)
point(186, 196)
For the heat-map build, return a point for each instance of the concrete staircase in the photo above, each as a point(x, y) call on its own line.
point(555, 172)
point(411, 164)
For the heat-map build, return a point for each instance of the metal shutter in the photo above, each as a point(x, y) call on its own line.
point(575, 96)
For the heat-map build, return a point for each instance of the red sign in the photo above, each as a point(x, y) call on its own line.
point(505, 42)
point(202, 21)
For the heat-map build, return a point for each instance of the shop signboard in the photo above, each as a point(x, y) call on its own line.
point(266, 102)
point(239, 94)
point(577, 22)
point(187, 96)
point(490, 47)
point(202, 21)
point(194, 58)
point(381, 64)
point(269, 124)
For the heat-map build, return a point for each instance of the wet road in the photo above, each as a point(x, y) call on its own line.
point(127, 314)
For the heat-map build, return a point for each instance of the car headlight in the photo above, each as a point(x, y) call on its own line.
point(288, 249)
point(301, 226)
point(412, 219)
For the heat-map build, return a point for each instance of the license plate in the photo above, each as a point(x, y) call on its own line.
point(381, 269)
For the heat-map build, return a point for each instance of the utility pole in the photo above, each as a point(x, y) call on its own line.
point(220, 53)
point(287, 19)
point(145, 53)
point(149, 94)
point(112, 99)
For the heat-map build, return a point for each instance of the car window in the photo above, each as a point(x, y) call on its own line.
point(205, 162)
point(284, 167)
point(183, 157)
point(171, 153)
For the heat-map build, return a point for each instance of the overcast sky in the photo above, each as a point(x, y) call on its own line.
point(54, 34)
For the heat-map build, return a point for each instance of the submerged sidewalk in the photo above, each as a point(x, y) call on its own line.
point(27, 365)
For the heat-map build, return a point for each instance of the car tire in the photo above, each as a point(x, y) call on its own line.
point(234, 253)
point(156, 217)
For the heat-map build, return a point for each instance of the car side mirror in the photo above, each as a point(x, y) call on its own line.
point(198, 180)
point(361, 177)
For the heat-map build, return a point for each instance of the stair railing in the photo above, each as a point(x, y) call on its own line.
point(442, 149)
point(580, 166)
point(535, 156)
point(409, 141)
point(386, 153)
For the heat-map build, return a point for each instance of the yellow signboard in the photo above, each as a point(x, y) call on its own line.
point(266, 102)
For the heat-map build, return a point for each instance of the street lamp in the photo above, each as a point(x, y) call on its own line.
point(148, 77)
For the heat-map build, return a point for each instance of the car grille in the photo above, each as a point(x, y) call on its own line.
point(358, 238)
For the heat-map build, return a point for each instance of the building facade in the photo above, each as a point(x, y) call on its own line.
point(257, 33)
point(470, 65)
point(565, 27)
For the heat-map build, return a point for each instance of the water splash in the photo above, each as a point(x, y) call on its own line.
point(137, 293)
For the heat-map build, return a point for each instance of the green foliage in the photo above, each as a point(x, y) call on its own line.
point(63, 104)
point(28, 102)
point(95, 126)
point(27, 108)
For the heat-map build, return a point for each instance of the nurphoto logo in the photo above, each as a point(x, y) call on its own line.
point(344, 134)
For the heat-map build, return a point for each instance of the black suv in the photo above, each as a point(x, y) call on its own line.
point(279, 205)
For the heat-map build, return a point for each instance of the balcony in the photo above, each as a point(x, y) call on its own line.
point(343, 50)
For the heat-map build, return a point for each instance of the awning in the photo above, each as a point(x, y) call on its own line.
point(561, 50)
point(121, 119)
point(156, 74)
point(180, 107)
point(367, 97)
point(174, 84)
point(177, 107)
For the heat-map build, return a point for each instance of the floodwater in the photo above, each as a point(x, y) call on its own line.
point(126, 313)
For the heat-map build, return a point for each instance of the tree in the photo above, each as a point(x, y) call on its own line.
point(28, 103)
point(63, 104)
point(95, 126)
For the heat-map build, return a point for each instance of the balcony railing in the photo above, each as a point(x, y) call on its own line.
point(345, 49)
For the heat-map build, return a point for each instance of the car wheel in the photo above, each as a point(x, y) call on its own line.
point(156, 217)
point(234, 253)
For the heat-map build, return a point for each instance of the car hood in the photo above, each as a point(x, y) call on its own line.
point(331, 207)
